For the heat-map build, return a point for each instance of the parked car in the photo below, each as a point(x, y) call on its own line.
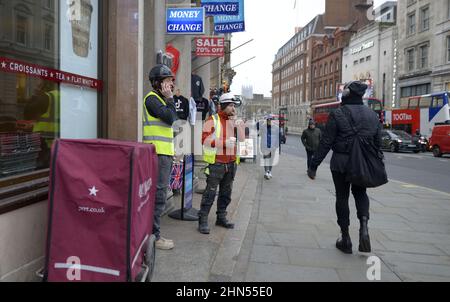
point(440, 139)
point(398, 140)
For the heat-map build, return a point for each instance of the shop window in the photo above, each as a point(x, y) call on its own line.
point(36, 105)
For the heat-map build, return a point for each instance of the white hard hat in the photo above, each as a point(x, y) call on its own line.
point(227, 98)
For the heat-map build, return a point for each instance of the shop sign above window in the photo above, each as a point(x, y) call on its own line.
point(185, 21)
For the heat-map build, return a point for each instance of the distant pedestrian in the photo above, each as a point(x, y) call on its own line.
point(311, 139)
point(338, 136)
point(269, 144)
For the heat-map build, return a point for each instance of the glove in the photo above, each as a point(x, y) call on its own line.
point(312, 174)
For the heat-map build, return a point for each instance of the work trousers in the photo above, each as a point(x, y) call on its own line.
point(222, 176)
point(164, 168)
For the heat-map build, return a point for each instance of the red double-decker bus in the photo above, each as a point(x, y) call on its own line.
point(322, 111)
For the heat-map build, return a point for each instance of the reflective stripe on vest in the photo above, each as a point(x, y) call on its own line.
point(48, 123)
point(157, 132)
point(209, 154)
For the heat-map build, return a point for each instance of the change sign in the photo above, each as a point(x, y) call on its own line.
point(223, 7)
point(185, 21)
point(210, 47)
point(229, 24)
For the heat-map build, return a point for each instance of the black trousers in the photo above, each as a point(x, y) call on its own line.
point(342, 196)
point(310, 156)
point(222, 176)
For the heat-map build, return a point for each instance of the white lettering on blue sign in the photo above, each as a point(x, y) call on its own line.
point(221, 8)
point(184, 14)
point(185, 21)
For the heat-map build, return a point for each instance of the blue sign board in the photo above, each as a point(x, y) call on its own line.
point(188, 178)
point(224, 24)
point(187, 21)
point(221, 7)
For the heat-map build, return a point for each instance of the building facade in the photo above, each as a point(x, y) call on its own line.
point(292, 88)
point(327, 64)
point(75, 69)
point(257, 107)
point(371, 57)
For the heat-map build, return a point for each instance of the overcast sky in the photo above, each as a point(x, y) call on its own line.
point(271, 24)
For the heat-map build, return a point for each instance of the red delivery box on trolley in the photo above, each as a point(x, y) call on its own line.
point(100, 216)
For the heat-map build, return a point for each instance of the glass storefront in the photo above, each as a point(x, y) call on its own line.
point(48, 79)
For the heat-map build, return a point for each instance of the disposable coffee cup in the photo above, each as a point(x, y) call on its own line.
point(81, 11)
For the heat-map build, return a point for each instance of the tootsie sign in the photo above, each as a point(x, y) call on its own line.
point(210, 47)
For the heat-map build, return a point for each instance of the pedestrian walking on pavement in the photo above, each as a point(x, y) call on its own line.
point(159, 115)
point(219, 139)
point(269, 144)
point(311, 139)
point(338, 136)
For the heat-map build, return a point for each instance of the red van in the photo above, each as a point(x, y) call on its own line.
point(440, 139)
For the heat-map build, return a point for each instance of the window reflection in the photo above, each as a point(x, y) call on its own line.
point(29, 106)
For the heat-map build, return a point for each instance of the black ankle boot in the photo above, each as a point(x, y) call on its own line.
point(344, 243)
point(223, 222)
point(203, 224)
point(364, 240)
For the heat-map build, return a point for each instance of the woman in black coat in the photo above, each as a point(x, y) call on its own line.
point(338, 137)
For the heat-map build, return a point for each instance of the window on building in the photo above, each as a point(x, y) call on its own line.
point(21, 30)
point(410, 2)
point(368, 58)
point(361, 60)
point(48, 4)
point(337, 65)
point(448, 9)
point(48, 37)
point(410, 59)
point(331, 66)
point(331, 88)
point(355, 62)
point(325, 89)
point(325, 69)
point(448, 48)
point(424, 56)
point(425, 18)
point(411, 23)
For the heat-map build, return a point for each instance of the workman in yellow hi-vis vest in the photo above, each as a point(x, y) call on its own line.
point(159, 116)
point(48, 124)
point(220, 137)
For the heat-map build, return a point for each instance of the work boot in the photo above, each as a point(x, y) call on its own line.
point(364, 240)
point(344, 243)
point(203, 224)
point(223, 222)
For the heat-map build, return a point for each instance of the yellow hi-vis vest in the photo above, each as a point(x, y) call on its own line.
point(157, 132)
point(48, 123)
point(209, 153)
